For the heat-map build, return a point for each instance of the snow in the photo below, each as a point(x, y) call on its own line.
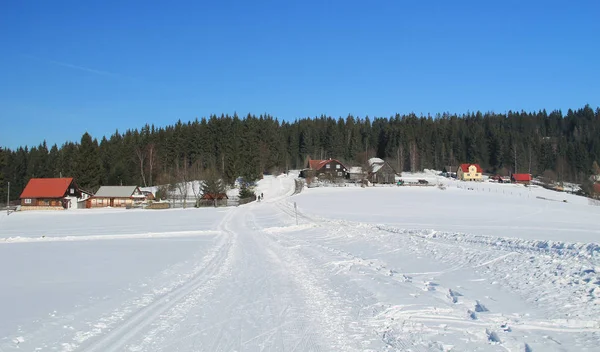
point(477, 266)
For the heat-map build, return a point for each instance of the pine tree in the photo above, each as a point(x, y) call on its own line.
point(212, 184)
point(246, 192)
point(3, 185)
point(89, 167)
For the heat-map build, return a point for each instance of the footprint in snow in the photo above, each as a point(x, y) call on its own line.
point(479, 308)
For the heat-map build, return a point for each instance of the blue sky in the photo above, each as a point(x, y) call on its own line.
point(67, 67)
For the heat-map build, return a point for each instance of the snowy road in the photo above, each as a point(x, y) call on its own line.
point(251, 279)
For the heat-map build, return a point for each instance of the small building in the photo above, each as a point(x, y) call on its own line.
point(356, 174)
point(213, 199)
point(470, 172)
point(450, 171)
point(331, 169)
point(521, 178)
point(381, 172)
point(148, 195)
point(51, 194)
point(116, 197)
point(596, 189)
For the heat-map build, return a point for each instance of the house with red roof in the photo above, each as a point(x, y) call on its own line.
point(596, 188)
point(51, 194)
point(328, 169)
point(469, 172)
point(521, 178)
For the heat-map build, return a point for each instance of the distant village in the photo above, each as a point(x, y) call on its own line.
point(64, 193)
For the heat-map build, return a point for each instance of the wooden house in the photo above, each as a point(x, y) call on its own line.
point(213, 199)
point(356, 174)
point(521, 178)
point(470, 172)
point(51, 194)
point(381, 172)
point(330, 169)
point(596, 190)
point(116, 197)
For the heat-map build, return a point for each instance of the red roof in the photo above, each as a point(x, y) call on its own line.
point(46, 188)
point(521, 177)
point(315, 164)
point(465, 167)
point(319, 164)
point(212, 196)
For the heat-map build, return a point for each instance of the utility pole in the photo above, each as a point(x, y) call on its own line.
point(8, 200)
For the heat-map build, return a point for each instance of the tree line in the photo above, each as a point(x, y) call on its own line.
point(557, 145)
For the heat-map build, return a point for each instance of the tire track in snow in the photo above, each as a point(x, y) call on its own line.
point(337, 324)
point(212, 268)
point(489, 322)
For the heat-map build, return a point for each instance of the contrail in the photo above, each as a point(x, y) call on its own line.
point(76, 67)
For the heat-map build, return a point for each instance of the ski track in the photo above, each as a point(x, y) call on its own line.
point(270, 282)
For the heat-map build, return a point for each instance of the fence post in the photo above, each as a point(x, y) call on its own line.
point(296, 211)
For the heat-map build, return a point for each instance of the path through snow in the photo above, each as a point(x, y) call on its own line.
point(257, 281)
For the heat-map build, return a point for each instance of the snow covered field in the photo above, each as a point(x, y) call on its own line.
point(494, 268)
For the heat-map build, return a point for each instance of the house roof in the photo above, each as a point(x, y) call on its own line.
point(319, 164)
point(355, 170)
point(465, 167)
point(316, 164)
point(376, 161)
point(115, 191)
point(521, 177)
point(46, 187)
point(211, 196)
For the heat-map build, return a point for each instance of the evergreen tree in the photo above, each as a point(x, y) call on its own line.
point(538, 141)
point(246, 192)
point(3, 184)
point(89, 168)
point(212, 184)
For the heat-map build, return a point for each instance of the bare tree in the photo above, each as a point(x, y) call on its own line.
point(413, 156)
point(182, 179)
point(151, 151)
point(195, 175)
point(515, 152)
point(141, 156)
point(400, 158)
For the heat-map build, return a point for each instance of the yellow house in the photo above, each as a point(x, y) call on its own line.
point(469, 172)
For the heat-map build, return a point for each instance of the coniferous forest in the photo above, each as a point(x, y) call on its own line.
point(559, 146)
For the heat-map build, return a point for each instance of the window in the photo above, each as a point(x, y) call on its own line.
point(72, 190)
point(328, 166)
point(339, 173)
point(27, 201)
point(338, 166)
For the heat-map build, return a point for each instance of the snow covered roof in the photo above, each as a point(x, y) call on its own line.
point(376, 167)
point(115, 191)
point(376, 161)
point(355, 170)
